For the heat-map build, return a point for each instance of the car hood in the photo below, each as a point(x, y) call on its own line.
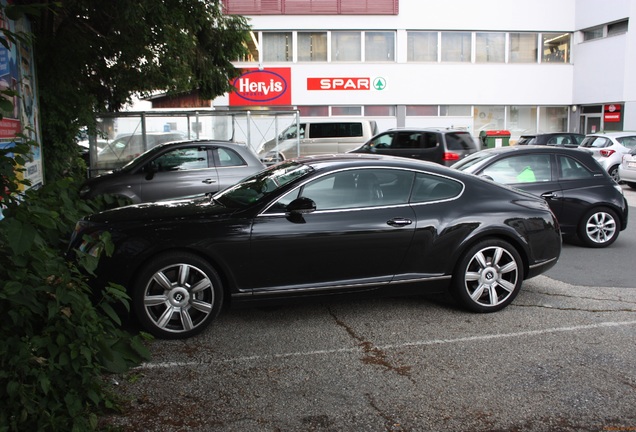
point(163, 210)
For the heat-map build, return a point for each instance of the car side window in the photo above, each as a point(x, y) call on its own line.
point(571, 169)
point(186, 158)
point(381, 142)
point(354, 189)
point(429, 188)
point(229, 158)
point(407, 140)
point(520, 169)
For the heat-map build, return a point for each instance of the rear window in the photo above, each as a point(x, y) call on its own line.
point(459, 141)
point(628, 141)
point(596, 142)
point(335, 130)
point(526, 140)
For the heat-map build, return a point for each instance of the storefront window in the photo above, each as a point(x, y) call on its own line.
point(456, 46)
point(312, 46)
point(380, 110)
point(422, 110)
point(553, 119)
point(490, 48)
point(346, 46)
point(489, 117)
point(454, 110)
point(346, 111)
point(318, 110)
point(523, 48)
point(556, 48)
point(379, 46)
point(421, 46)
point(277, 47)
point(521, 120)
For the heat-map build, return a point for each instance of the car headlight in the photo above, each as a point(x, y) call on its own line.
point(84, 190)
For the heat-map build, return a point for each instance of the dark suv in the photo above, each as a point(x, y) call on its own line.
point(444, 146)
point(565, 139)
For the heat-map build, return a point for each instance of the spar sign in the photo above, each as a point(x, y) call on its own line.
point(262, 87)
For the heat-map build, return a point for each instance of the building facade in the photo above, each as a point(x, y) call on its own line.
point(527, 67)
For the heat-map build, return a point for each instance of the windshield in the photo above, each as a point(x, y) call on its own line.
point(474, 159)
point(261, 185)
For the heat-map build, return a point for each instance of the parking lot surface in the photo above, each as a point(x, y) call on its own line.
point(561, 357)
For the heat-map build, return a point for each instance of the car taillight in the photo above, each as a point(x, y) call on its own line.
point(607, 153)
point(448, 156)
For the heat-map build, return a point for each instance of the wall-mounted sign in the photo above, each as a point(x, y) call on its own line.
point(346, 83)
point(612, 113)
point(262, 87)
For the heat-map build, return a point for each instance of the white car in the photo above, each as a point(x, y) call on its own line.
point(627, 169)
point(608, 149)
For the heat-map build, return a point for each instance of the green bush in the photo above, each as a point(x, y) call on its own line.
point(58, 340)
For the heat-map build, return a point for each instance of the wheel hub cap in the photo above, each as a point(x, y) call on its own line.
point(179, 297)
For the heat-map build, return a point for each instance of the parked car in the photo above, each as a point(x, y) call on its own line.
point(566, 139)
point(324, 225)
point(588, 203)
point(125, 148)
point(627, 169)
point(317, 135)
point(443, 146)
point(177, 169)
point(608, 149)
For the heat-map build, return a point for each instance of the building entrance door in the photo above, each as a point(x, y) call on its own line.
point(590, 123)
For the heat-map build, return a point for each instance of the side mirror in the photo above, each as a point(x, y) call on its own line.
point(301, 206)
point(150, 169)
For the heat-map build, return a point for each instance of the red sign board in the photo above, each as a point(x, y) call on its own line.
point(357, 83)
point(262, 87)
point(612, 113)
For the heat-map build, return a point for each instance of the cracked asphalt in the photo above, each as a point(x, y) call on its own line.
point(562, 357)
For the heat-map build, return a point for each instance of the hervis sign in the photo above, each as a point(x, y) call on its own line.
point(262, 87)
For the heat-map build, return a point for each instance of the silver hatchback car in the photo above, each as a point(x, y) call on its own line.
point(175, 170)
point(608, 149)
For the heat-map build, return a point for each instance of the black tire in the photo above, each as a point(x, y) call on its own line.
point(613, 172)
point(177, 296)
point(599, 227)
point(488, 277)
point(631, 185)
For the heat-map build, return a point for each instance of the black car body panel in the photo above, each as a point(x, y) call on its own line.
point(261, 251)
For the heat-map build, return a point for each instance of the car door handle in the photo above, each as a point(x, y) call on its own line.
point(549, 195)
point(208, 181)
point(398, 222)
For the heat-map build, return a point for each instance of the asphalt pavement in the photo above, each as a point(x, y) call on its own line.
point(562, 357)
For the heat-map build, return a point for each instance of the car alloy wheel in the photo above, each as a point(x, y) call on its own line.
point(177, 296)
point(613, 172)
point(599, 228)
point(488, 276)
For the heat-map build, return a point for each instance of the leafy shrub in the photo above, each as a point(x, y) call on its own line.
point(58, 340)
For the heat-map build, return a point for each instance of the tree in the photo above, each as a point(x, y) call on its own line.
point(94, 56)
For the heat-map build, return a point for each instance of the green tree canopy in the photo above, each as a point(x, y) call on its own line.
point(95, 55)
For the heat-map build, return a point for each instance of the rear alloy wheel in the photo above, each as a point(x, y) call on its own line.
point(599, 228)
point(488, 276)
point(177, 296)
point(613, 172)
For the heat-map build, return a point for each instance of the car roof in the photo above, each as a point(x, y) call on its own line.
point(616, 134)
point(426, 129)
point(536, 149)
point(352, 160)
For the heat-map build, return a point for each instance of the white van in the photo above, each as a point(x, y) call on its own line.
point(318, 135)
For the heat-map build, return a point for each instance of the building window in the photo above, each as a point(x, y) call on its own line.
point(316, 111)
point(553, 119)
point(380, 110)
point(556, 48)
point(616, 28)
point(379, 46)
point(421, 110)
point(456, 46)
point(455, 110)
point(523, 48)
point(594, 33)
point(346, 111)
point(346, 46)
point(312, 46)
point(490, 48)
point(521, 120)
point(489, 117)
point(277, 47)
point(421, 46)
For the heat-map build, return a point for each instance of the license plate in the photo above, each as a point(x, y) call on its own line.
point(631, 164)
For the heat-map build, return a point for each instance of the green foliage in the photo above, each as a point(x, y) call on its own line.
point(94, 55)
point(58, 338)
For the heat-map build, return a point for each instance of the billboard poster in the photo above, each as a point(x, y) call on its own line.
point(262, 87)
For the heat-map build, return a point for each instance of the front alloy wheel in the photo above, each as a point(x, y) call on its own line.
point(599, 228)
point(488, 277)
point(177, 296)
